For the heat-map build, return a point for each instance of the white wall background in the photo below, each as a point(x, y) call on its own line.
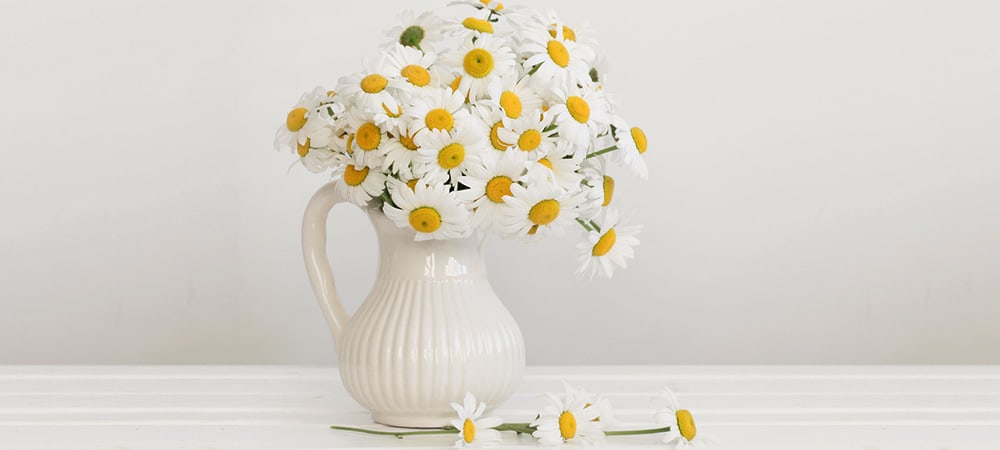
point(825, 184)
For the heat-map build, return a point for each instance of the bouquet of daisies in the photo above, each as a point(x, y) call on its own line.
point(495, 123)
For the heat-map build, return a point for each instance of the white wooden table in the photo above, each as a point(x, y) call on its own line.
point(235, 407)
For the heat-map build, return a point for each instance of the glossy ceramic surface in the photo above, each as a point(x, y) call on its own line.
point(430, 330)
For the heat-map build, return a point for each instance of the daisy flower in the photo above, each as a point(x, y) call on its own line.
point(515, 96)
point(438, 109)
point(482, 61)
point(555, 59)
point(489, 185)
point(682, 429)
point(597, 188)
point(399, 158)
point(570, 419)
point(357, 182)
point(431, 211)
point(538, 210)
point(607, 247)
point(580, 113)
point(527, 136)
point(560, 167)
point(444, 155)
point(317, 160)
point(490, 5)
point(415, 31)
point(473, 428)
point(490, 116)
point(370, 143)
point(412, 66)
point(632, 144)
point(369, 89)
point(303, 124)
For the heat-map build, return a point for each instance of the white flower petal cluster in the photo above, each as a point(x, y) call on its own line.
point(496, 121)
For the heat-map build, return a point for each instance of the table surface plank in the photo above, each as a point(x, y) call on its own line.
point(283, 407)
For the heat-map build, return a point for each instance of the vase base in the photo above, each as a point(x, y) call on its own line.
point(413, 420)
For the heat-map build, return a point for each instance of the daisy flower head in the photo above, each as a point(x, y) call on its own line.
point(607, 246)
point(473, 428)
point(515, 96)
point(632, 144)
point(493, 6)
point(560, 167)
point(416, 31)
point(682, 432)
point(581, 114)
point(489, 185)
point(489, 116)
point(356, 182)
point(597, 188)
point(370, 142)
point(444, 156)
point(529, 136)
point(537, 210)
point(430, 210)
point(438, 109)
point(304, 124)
point(568, 419)
point(555, 59)
point(413, 67)
point(399, 156)
point(369, 89)
point(482, 61)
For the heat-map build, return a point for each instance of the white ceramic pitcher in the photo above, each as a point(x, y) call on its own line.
point(431, 329)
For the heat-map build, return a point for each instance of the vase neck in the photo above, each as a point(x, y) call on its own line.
point(401, 257)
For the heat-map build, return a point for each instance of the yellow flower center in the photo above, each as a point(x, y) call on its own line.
point(511, 104)
point(609, 190)
point(303, 149)
point(478, 63)
point(412, 184)
point(495, 138)
point(353, 176)
point(498, 187)
point(456, 83)
point(331, 93)
point(350, 142)
point(439, 119)
point(374, 83)
point(425, 219)
point(468, 431)
point(578, 108)
point(685, 424)
point(567, 425)
point(296, 119)
point(407, 142)
point(399, 111)
point(558, 53)
point(416, 75)
point(451, 156)
point(368, 137)
point(639, 137)
point(545, 162)
point(568, 33)
point(529, 140)
point(479, 25)
point(543, 213)
point(605, 243)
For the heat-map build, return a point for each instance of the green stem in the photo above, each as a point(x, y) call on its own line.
point(603, 151)
point(634, 432)
point(549, 128)
point(397, 434)
point(584, 224)
point(519, 428)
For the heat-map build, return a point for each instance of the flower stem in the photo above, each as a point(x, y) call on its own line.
point(398, 434)
point(634, 432)
point(603, 151)
point(584, 224)
point(519, 428)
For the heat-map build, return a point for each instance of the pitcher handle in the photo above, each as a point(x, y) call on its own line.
point(317, 263)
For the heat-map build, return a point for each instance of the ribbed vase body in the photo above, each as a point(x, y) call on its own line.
point(431, 330)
